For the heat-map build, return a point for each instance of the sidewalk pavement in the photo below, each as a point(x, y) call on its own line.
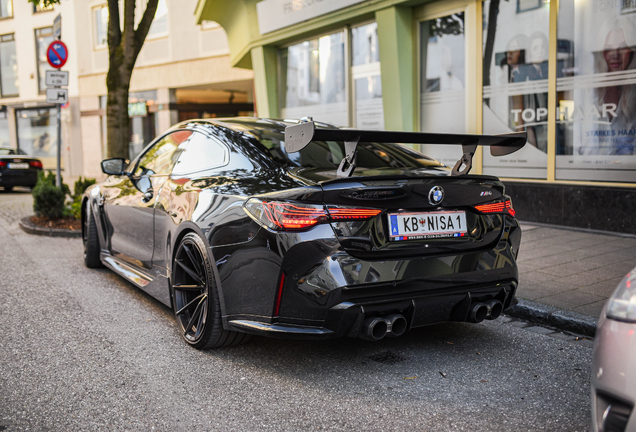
point(566, 274)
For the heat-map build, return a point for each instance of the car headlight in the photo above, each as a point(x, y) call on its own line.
point(622, 304)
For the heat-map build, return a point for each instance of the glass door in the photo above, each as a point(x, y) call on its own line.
point(443, 81)
point(366, 78)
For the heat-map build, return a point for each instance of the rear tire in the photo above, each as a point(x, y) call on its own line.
point(91, 240)
point(8, 188)
point(195, 298)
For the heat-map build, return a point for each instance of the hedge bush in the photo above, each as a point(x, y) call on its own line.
point(78, 189)
point(50, 201)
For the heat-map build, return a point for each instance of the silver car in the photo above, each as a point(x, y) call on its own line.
point(614, 361)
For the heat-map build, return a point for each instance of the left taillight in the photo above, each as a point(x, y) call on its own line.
point(35, 164)
point(284, 216)
point(498, 207)
point(3, 164)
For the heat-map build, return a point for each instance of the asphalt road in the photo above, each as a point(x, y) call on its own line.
point(83, 350)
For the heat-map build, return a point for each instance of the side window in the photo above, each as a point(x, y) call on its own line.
point(161, 157)
point(201, 153)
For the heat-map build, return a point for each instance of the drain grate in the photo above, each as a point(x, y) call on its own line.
point(387, 357)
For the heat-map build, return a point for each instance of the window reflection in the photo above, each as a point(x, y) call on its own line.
point(596, 111)
point(313, 80)
point(442, 76)
point(515, 83)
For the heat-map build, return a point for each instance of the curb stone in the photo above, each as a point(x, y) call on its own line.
point(29, 227)
point(548, 315)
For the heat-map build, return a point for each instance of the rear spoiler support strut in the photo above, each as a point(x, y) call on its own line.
point(297, 137)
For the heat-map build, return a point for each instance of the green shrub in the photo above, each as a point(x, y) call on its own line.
point(49, 200)
point(80, 186)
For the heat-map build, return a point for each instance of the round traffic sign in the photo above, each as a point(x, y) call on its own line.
point(57, 54)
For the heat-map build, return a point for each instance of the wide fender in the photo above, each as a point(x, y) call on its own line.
point(172, 243)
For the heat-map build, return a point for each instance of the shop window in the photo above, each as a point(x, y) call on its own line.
point(100, 26)
point(43, 38)
point(8, 66)
point(312, 80)
point(366, 77)
point(37, 134)
point(143, 124)
point(40, 7)
point(527, 5)
point(159, 27)
point(6, 8)
point(442, 81)
point(596, 92)
point(5, 138)
point(515, 92)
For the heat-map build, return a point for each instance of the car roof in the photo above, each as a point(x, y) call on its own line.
point(246, 124)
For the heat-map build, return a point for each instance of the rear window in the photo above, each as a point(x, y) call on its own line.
point(328, 154)
point(10, 151)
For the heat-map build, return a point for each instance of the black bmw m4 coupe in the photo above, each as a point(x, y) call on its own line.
point(299, 229)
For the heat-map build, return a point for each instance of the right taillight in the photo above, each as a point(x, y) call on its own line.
point(498, 207)
point(288, 216)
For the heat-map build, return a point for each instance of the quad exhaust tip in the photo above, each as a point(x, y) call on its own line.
point(491, 310)
point(376, 328)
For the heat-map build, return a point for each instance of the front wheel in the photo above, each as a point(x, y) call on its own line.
point(90, 239)
point(196, 300)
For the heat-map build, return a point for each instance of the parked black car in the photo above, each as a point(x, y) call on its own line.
point(18, 169)
point(255, 226)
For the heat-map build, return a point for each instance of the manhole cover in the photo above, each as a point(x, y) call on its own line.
point(387, 357)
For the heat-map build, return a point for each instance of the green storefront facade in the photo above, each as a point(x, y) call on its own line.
point(562, 70)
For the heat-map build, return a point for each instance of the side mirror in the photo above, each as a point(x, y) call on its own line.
point(114, 166)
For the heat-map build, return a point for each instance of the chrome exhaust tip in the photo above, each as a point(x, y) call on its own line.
point(397, 325)
point(495, 308)
point(374, 328)
point(478, 312)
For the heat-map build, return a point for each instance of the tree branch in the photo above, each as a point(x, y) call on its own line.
point(129, 34)
point(114, 30)
point(146, 21)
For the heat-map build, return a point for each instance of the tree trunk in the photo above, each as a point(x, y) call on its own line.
point(124, 44)
point(117, 121)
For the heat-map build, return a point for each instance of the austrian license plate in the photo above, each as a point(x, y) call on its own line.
point(412, 226)
point(18, 166)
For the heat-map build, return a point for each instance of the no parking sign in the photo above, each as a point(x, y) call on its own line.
point(57, 54)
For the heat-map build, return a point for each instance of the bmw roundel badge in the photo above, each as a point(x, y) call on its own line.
point(436, 195)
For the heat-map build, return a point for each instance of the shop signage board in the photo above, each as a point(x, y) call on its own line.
point(277, 14)
point(57, 54)
point(56, 78)
point(57, 95)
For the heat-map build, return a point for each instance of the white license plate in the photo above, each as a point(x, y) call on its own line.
point(411, 226)
point(18, 166)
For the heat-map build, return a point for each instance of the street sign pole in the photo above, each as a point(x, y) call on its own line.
point(57, 55)
point(58, 171)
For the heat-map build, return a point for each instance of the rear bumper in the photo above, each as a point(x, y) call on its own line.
point(346, 319)
point(18, 177)
point(329, 293)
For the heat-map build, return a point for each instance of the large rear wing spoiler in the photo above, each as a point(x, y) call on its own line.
point(297, 137)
